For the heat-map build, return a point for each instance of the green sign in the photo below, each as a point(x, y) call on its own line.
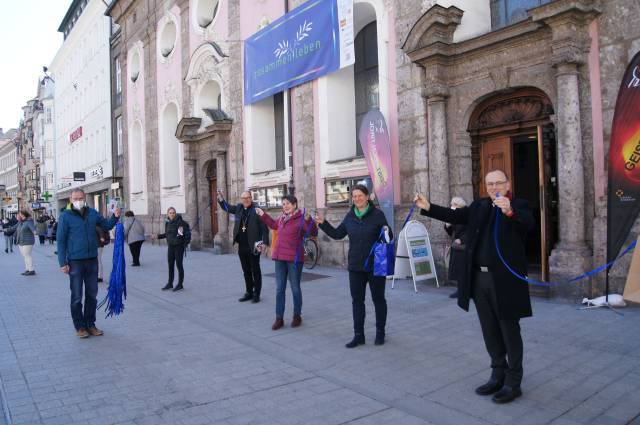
point(46, 196)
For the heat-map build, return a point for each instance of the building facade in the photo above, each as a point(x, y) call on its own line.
point(28, 158)
point(8, 174)
point(82, 105)
point(43, 141)
point(528, 86)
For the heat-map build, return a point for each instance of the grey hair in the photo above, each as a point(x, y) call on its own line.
point(77, 189)
point(459, 201)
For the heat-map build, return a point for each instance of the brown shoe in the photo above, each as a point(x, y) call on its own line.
point(94, 331)
point(82, 333)
point(277, 324)
point(297, 321)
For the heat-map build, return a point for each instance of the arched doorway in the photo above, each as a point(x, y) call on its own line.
point(212, 178)
point(512, 131)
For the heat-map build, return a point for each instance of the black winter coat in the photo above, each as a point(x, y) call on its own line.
point(363, 233)
point(256, 229)
point(171, 231)
point(512, 293)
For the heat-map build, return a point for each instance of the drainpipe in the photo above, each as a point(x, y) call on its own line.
point(291, 188)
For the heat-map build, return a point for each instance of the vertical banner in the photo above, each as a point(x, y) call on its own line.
point(376, 146)
point(624, 162)
point(312, 40)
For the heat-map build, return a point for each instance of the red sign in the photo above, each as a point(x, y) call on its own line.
point(77, 133)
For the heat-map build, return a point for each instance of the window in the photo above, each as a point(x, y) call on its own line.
point(118, 82)
point(168, 37)
point(507, 12)
point(366, 75)
point(269, 197)
point(47, 115)
point(134, 67)
point(278, 115)
point(120, 149)
point(339, 191)
point(206, 12)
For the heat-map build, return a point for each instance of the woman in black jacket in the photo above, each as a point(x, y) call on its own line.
point(363, 224)
point(178, 235)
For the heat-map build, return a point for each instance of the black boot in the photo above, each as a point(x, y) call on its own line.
point(178, 287)
point(379, 338)
point(357, 340)
point(256, 298)
point(246, 297)
point(167, 286)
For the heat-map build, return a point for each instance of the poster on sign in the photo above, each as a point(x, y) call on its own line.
point(414, 257)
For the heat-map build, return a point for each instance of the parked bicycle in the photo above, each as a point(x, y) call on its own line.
point(311, 252)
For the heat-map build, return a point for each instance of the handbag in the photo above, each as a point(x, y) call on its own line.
point(384, 257)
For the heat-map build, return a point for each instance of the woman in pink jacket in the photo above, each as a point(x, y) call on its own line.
point(288, 254)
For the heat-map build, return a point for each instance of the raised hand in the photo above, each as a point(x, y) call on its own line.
point(319, 217)
point(259, 212)
point(421, 202)
point(503, 203)
point(220, 195)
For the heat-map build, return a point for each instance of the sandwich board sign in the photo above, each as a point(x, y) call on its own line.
point(414, 257)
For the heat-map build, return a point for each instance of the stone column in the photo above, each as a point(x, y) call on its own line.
point(191, 199)
point(436, 96)
point(221, 243)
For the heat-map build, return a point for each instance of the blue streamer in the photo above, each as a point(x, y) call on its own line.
point(547, 284)
point(117, 282)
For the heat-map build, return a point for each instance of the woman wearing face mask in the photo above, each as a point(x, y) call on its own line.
point(288, 254)
point(8, 235)
point(456, 250)
point(364, 224)
point(178, 235)
point(25, 239)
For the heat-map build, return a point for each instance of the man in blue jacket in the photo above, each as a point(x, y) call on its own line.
point(78, 257)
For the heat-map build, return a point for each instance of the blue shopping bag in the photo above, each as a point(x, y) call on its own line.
point(384, 257)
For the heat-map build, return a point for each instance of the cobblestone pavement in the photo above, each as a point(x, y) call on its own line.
point(201, 357)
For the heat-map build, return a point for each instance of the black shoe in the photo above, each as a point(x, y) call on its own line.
point(24, 273)
point(100, 280)
point(30, 273)
point(179, 287)
point(255, 299)
point(454, 295)
point(167, 286)
point(135, 265)
point(357, 340)
point(246, 297)
point(379, 338)
point(489, 388)
point(507, 395)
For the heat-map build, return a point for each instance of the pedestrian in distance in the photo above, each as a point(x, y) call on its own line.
point(24, 236)
point(501, 299)
point(103, 240)
point(252, 236)
point(8, 235)
point(364, 224)
point(134, 236)
point(178, 235)
point(41, 228)
point(458, 235)
point(51, 233)
point(288, 254)
point(77, 248)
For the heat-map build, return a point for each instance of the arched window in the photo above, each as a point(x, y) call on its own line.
point(170, 153)
point(366, 75)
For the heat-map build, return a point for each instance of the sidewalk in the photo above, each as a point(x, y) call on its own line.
point(200, 357)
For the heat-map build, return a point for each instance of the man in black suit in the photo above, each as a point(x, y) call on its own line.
point(251, 235)
point(501, 298)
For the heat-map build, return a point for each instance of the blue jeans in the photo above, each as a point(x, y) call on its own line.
point(288, 269)
point(83, 271)
point(8, 243)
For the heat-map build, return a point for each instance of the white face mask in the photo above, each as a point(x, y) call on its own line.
point(78, 204)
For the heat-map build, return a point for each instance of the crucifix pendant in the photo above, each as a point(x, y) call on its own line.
point(244, 229)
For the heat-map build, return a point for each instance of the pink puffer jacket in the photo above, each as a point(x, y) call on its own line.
point(290, 235)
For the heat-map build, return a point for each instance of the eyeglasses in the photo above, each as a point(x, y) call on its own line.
point(245, 197)
point(496, 184)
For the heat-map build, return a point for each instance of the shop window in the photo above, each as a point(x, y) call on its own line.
point(269, 197)
point(338, 192)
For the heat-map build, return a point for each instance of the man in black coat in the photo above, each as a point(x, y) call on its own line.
point(251, 235)
point(501, 298)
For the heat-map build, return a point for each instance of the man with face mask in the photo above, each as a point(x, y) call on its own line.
point(78, 257)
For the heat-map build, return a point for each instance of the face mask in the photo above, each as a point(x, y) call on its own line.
point(78, 204)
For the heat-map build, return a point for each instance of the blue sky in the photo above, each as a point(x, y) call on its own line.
point(29, 39)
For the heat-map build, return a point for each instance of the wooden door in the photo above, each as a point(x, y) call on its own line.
point(495, 154)
point(213, 189)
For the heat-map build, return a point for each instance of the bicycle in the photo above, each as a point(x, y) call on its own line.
point(311, 252)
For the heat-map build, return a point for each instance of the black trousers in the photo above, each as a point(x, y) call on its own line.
point(175, 255)
point(501, 337)
point(251, 270)
point(42, 238)
point(358, 285)
point(135, 248)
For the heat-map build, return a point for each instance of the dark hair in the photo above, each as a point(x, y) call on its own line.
point(128, 214)
point(292, 199)
point(25, 213)
point(362, 188)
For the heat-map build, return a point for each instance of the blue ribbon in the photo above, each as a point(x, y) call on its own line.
point(118, 281)
point(547, 284)
point(305, 236)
